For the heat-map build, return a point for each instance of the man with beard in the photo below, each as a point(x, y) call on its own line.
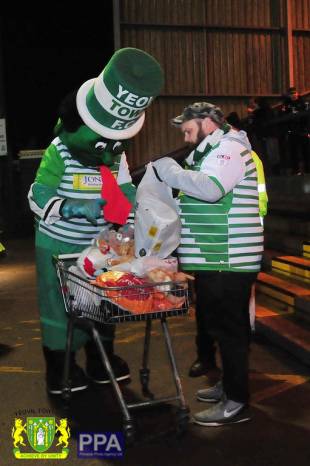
point(205, 362)
point(222, 242)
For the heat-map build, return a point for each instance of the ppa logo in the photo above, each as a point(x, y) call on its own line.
point(101, 445)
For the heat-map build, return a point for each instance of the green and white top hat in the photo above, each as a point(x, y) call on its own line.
point(113, 104)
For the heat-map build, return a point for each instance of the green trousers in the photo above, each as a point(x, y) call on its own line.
point(53, 315)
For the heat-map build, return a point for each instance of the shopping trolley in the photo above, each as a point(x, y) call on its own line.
point(88, 304)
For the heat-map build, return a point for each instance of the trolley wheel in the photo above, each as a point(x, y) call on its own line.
point(182, 420)
point(182, 426)
point(144, 380)
point(66, 394)
point(129, 433)
point(144, 377)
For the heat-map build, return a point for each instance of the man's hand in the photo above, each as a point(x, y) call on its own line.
point(156, 174)
point(87, 208)
point(163, 166)
point(191, 182)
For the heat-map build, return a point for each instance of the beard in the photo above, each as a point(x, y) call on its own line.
point(200, 136)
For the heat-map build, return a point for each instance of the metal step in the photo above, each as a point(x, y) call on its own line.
point(269, 255)
point(306, 249)
point(296, 279)
point(294, 265)
point(284, 333)
point(280, 289)
point(283, 295)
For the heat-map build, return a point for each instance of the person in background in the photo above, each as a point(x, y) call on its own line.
point(222, 242)
point(251, 106)
point(296, 133)
point(234, 120)
point(263, 135)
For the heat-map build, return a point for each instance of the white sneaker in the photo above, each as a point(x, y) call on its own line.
point(212, 394)
point(224, 412)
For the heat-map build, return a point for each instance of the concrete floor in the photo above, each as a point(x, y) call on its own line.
point(278, 434)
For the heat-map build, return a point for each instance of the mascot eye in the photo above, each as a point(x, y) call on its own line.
point(116, 146)
point(100, 146)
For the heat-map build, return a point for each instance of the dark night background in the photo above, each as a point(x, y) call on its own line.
point(43, 60)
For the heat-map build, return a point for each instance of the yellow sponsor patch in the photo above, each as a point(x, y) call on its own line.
point(152, 231)
point(157, 247)
point(91, 182)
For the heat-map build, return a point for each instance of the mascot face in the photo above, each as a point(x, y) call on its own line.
point(91, 149)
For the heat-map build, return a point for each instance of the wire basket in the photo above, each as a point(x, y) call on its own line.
point(120, 304)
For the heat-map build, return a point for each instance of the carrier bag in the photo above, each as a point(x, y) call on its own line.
point(157, 221)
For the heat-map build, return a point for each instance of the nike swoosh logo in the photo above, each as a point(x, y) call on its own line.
point(231, 412)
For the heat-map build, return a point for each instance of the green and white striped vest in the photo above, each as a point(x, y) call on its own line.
point(225, 235)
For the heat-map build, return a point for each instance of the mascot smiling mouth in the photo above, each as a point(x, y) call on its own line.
point(89, 148)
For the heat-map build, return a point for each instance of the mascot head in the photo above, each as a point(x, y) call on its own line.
point(96, 121)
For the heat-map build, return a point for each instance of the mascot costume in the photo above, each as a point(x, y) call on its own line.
point(73, 189)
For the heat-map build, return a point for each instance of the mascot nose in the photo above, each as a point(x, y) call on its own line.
point(107, 159)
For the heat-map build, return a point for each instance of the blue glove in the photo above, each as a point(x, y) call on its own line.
point(88, 208)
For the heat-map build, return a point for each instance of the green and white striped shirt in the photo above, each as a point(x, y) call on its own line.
point(76, 182)
point(226, 234)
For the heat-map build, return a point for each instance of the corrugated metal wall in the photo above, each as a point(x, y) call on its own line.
point(301, 43)
point(223, 51)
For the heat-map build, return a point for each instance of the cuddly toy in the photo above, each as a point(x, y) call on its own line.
point(83, 183)
point(108, 249)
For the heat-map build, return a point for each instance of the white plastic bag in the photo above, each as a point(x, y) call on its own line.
point(157, 222)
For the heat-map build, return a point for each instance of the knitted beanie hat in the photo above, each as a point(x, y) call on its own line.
point(113, 104)
point(200, 110)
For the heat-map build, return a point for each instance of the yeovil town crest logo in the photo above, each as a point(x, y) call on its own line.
point(40, 432)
